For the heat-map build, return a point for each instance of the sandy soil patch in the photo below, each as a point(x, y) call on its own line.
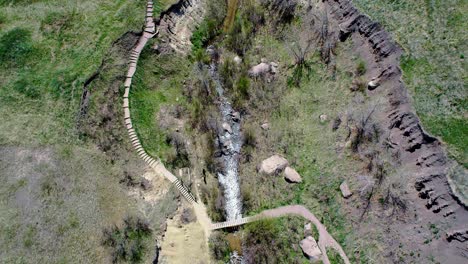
point(184, 243)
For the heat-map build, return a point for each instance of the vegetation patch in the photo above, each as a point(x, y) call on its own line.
point(127, 242)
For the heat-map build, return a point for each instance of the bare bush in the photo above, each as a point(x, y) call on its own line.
point(318, 23)
point(301, 46)
point(365, 128)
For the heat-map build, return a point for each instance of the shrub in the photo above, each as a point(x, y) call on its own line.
point(361, 68)
point(219, 246)
point(241, 93)
point(127, 242)
point(359, 84)
point(242, 87)
point(15, 46)
point(262, 243)
point(207, 30)
point(366, 128)
point(227, 72)
point(210, 26)
point(245, 24)
point(27, 87)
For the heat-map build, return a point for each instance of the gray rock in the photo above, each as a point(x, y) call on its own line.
point(265, 126)
point(291, 175)
point(237, 60)
point(235, 116)
point(273, 165)
point(227, 128)
point(345, 190)
point(323, 118)
point(259, 69)
point(373, 84)
point(310, 248)
point(308, 229)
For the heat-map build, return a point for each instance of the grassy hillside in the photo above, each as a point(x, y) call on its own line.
point(60, 184)
point(433, 36)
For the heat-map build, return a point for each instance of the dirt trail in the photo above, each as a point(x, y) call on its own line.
point(184, 243)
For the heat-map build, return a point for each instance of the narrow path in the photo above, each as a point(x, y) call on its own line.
point(325, 239)
point(148, 33)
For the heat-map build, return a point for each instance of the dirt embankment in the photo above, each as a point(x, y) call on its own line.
point(421, 154)
point(99, 114)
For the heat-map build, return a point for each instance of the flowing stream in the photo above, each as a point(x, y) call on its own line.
point(231, 142)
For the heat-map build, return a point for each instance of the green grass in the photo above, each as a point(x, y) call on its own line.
point(157, 84)
point(59, 190)
point(48, 58)
point(432, 34)
point(270, 240)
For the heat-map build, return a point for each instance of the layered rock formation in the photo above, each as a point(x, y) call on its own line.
point(421, 154)
point(177, 24)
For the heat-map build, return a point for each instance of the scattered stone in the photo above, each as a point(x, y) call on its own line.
point(373, 84)
point(274, 67)
point(273, 165)
point(307, 230)
point(227, 128)
point(323, 118)
point(237, 60)
point(227, 146)
point(291, 175)
point(263, 60)
point(235, 116)
point(345, 190)
point(310, 248)
point(265, 126)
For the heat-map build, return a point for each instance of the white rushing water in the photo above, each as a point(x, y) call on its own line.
point(232, 142)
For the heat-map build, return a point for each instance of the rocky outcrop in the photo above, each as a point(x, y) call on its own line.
point(177, 23)
point(416, 150)
point(273, 165)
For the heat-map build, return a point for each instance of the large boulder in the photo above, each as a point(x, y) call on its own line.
point(259, 69)
point(310, 248)
point(291, 175)
point(273, 165)
point(345, 190)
